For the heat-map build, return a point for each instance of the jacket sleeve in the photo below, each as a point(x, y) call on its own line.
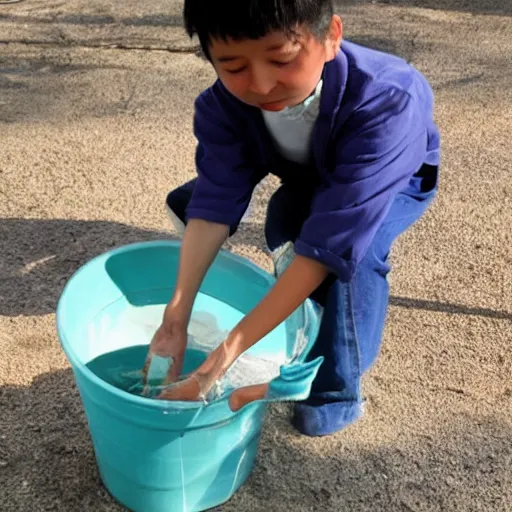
point(383, 144)
point(225, 179)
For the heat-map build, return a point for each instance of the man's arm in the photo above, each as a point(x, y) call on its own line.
point(201, 243)
point(384, 145)
point(298, 281)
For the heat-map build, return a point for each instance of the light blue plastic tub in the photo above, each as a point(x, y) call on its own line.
point(156, 456)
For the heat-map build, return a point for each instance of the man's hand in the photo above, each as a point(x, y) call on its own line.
point(200, 382)
point(168, 341)
point(190, 390)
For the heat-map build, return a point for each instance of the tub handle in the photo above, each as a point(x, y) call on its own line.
point(293, 383)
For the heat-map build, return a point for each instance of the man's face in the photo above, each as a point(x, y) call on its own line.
point(275, 71)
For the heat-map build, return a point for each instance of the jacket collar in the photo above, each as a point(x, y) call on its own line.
point(335, 80)
point(335, 76)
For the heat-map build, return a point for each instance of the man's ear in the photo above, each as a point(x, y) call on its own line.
point(334, 38)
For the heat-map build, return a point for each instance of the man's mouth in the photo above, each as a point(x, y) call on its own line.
point(273, 106)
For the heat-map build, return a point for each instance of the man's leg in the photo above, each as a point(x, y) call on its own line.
point(287, 210)
point(177, 202)
point(353, 320)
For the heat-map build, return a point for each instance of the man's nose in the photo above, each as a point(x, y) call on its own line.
point(261, 82)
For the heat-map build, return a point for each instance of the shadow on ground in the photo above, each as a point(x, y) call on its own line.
point(34, 81)
point(40, 66)
point(57, 83)
point(498, 7)
point(48, 463)
point(43, 85)
point(150, 20)
point(39, 256)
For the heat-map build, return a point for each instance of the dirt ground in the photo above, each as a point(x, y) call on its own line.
point(96, 106)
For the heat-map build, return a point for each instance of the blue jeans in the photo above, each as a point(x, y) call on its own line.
point(354, 312)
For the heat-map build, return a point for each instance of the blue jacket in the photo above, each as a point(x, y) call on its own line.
point(374, 131)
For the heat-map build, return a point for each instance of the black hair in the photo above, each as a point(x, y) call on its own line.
point(252, 19)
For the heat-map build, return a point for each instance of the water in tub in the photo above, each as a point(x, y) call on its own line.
point(127, 331)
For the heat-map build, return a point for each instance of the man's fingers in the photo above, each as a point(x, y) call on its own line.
point(174, 372)
point(172, 376)
point(145, 371)
point(242, 396)
point(186, 390)
point(190, 390)
point(145, 368)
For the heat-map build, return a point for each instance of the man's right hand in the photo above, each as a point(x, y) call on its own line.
point(168, 341)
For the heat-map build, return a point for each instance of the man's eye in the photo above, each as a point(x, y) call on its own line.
point(280, 64)
point(235, 71)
